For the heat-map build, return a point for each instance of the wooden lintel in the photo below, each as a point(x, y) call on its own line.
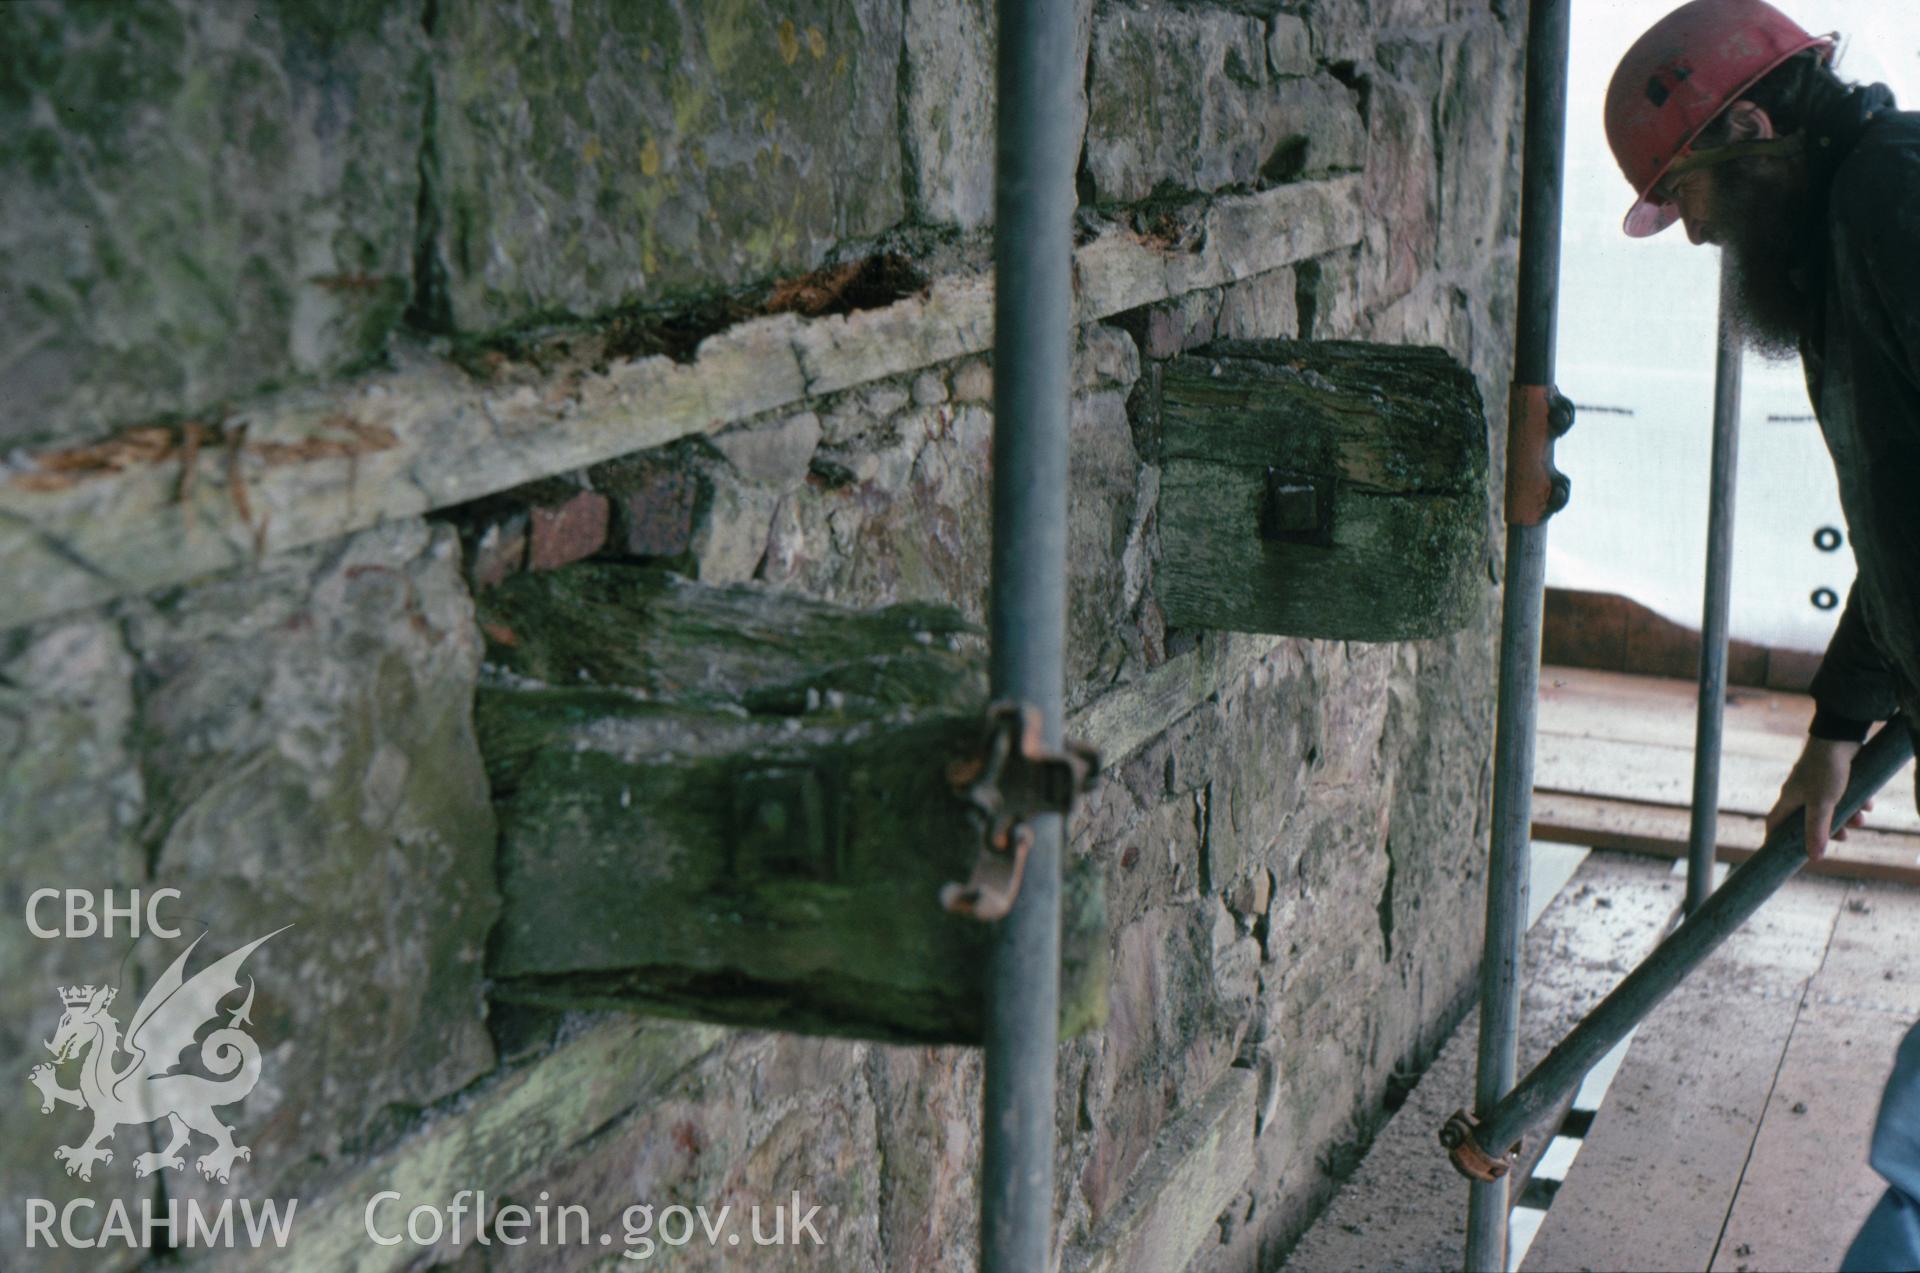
point(311, 464)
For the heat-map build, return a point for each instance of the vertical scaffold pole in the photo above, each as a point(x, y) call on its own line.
point(1529, 502)
point(1032, 342)
point(1703, 831)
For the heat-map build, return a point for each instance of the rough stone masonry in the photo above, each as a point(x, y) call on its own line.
point(323, 321)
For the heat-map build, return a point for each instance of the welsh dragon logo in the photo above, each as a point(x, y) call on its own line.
point(144, 1087)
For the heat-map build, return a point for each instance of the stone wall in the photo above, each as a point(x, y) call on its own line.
point(324, 320)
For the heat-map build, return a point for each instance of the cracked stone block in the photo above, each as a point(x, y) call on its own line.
point(567, 532)
point(198, 201)
point(1343, 30)
point(498, 551)
point(1177, 96)
point(653, 506)
point(1402, 181)
point(1289, 46)
point(1173, 327)
point(927, 1102)
point(1479, 125)
point(888, 511)
point(510, 1129)
point(1172, 1034)
point(309, 755)
point(715, 1137)
point(1184, 98)
point(732, 527)
point(929, 390)
point(605, 153)
point(1263, 307)
point(973, 381)
point(70, 803)
point(1421, 13)
point(1100, 511)
point(949, 115)
point(772, 455)
point(1321, 130)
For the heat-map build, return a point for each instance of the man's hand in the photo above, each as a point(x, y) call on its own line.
point(1818, 780)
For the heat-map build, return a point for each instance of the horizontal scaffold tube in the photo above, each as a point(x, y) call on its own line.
point(1784, 853)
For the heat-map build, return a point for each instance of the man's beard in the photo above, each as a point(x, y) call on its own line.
point(1763, 215)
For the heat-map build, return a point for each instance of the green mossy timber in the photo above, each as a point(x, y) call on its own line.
point(747, 818)
point(674, 640)
point(1398, 437)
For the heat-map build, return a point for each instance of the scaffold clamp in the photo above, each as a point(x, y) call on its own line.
point(1463, 1148)
point(1014, 778)
point(1536, 490)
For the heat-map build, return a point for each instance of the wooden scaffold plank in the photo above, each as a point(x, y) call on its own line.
point(1808, 1185)
point(1601, 823)
point(1405, 1207)
point(1659, 1169)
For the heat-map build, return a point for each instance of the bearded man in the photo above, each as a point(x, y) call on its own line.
point(1726, 116)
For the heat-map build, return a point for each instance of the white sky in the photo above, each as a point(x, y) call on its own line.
point(1636, 333)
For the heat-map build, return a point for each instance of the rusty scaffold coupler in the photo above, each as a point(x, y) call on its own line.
point(1538, 415)
point(1013, 778)
point(1463, 1148)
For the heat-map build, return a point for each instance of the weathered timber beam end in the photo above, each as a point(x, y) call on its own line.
point(1321, 489)
point(732, 805)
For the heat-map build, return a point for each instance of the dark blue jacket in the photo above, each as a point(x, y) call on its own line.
point(1862, 359)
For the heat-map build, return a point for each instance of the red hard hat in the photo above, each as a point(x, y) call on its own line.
point(1688, 67)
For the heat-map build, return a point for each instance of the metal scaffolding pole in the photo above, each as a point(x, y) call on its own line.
point(1784, 853)
point(1534, 491)
point(1033, 210)
point(1703, 831)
